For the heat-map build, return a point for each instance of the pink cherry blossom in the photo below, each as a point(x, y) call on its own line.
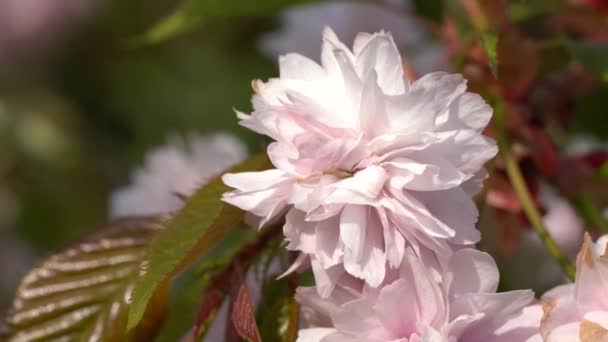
point(579, 311)
point(175, 170)
point(412, 307)
point(367, 163)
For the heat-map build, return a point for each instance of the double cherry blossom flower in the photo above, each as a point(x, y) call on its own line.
point(412, 306)
point(367, 164)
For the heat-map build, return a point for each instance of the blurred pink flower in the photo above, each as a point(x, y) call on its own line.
point(301, 26)
point(412, 306)
point(175, 170)
point(366, 163)
point(531, 265)
point(579, 311)
point(580, 145)
point(26, 26)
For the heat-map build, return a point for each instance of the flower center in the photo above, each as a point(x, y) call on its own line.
point(338, 173)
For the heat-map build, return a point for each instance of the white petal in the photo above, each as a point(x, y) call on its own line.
point(329, 249)
point(314, 334)
point(325, 279)
point(428, 97)
point(370, 266)
point(430, 335)
point(435, 174)
point(498, 308)
point(361, 40)
point(522, 327)
point(296, 66)
point(300, 233)
point(394, 242)
point(353, 229)
point(381, 55)
point(466, 110)
point(255, 181)
point(372, 112)
point(330, 45)
point(471, 271)
point(455, 209)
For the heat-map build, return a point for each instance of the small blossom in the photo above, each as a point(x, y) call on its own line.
point(175, 170)
point(579, 311)
point(366, 162)
point(413, 307)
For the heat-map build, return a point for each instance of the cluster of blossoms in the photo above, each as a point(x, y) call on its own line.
point(375, 177)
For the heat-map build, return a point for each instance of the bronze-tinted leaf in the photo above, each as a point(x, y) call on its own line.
point(83, 292)
point(242, 314)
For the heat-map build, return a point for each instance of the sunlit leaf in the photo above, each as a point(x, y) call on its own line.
point(490, 41)
point(194, 13)
point(83, 292)
point(188, 287)
point(202, 222)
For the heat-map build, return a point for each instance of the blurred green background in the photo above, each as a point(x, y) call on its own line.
point(79, 113)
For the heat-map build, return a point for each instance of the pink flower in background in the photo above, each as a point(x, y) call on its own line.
point(26, 26)
point(579, 311)
point(302, 25)
point(175, 170)
point(580, 145)
point(366, 162)
point(412, 306)
point(531, 265)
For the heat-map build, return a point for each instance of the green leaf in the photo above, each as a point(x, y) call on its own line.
point(603, 170)
point(555, 56)
point(194, 13)
point(82, 293)
point(188, 287)
point(278, 317)
point(530, 9)
point(489, 42)
point(432, 9)
point(594, 57)
point(589, 108)
point(190, 233)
